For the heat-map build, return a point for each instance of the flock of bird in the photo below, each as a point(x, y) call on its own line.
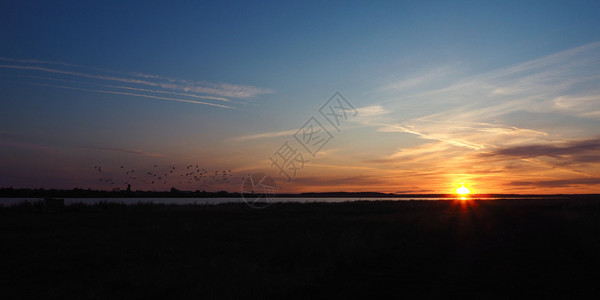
point(164, 176)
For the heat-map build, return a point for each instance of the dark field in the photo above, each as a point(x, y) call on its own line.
point(502, 248)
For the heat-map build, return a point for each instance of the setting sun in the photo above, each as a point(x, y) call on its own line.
point(462, 190)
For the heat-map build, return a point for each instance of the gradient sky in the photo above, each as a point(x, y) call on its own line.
point(501, 96)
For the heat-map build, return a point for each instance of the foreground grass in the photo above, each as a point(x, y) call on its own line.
point(507, 248)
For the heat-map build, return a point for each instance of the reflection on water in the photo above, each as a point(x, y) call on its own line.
point(209, 201)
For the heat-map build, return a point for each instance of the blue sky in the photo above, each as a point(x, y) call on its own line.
point(443, 92)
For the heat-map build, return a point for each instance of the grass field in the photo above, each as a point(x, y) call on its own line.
point(501, 248)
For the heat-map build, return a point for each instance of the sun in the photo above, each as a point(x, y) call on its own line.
point(462, 191)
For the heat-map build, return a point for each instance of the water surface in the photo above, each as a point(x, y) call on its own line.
point(212, 201)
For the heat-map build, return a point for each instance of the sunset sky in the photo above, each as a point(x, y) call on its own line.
point(503, 97)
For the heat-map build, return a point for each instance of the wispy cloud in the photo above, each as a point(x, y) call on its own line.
point(264, 135)
point(438, 75)
point(224, 89)
point(373, 110)
point(476, 112)
point(471, 135)
point(573, 149)
point(145, 84)
point(579, 157)
point(122, 87)
point(566, 82)
point(415, 191)
point(499, 127)
point(490, 130)
point(128, 94)
point(559, 182)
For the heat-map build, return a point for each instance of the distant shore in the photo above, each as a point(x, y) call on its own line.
point(174, 193)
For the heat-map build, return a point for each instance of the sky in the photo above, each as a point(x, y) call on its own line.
point(396, 97)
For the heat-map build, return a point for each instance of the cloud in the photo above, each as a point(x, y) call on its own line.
point(424, 78)
point(223, 89)
point(130, 94)
point(414, 191)
point(537, 117)
point(469, 135)
point(145, 84)
point(565, 82)
point(169, 93)
point(374, 110)
point(264, 135)
point(124, 88)
point(345, 181)
point(582, 105)
point(530, 123)
point(432, 135)
point(559, 182)
point(585, 148)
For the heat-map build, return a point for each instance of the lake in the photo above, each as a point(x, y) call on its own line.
point(212, 201)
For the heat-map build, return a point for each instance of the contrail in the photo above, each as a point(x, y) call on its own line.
point(126, 94)
point(226, 90)
point(129, 88)
point(170, 93)
point(136, 74)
